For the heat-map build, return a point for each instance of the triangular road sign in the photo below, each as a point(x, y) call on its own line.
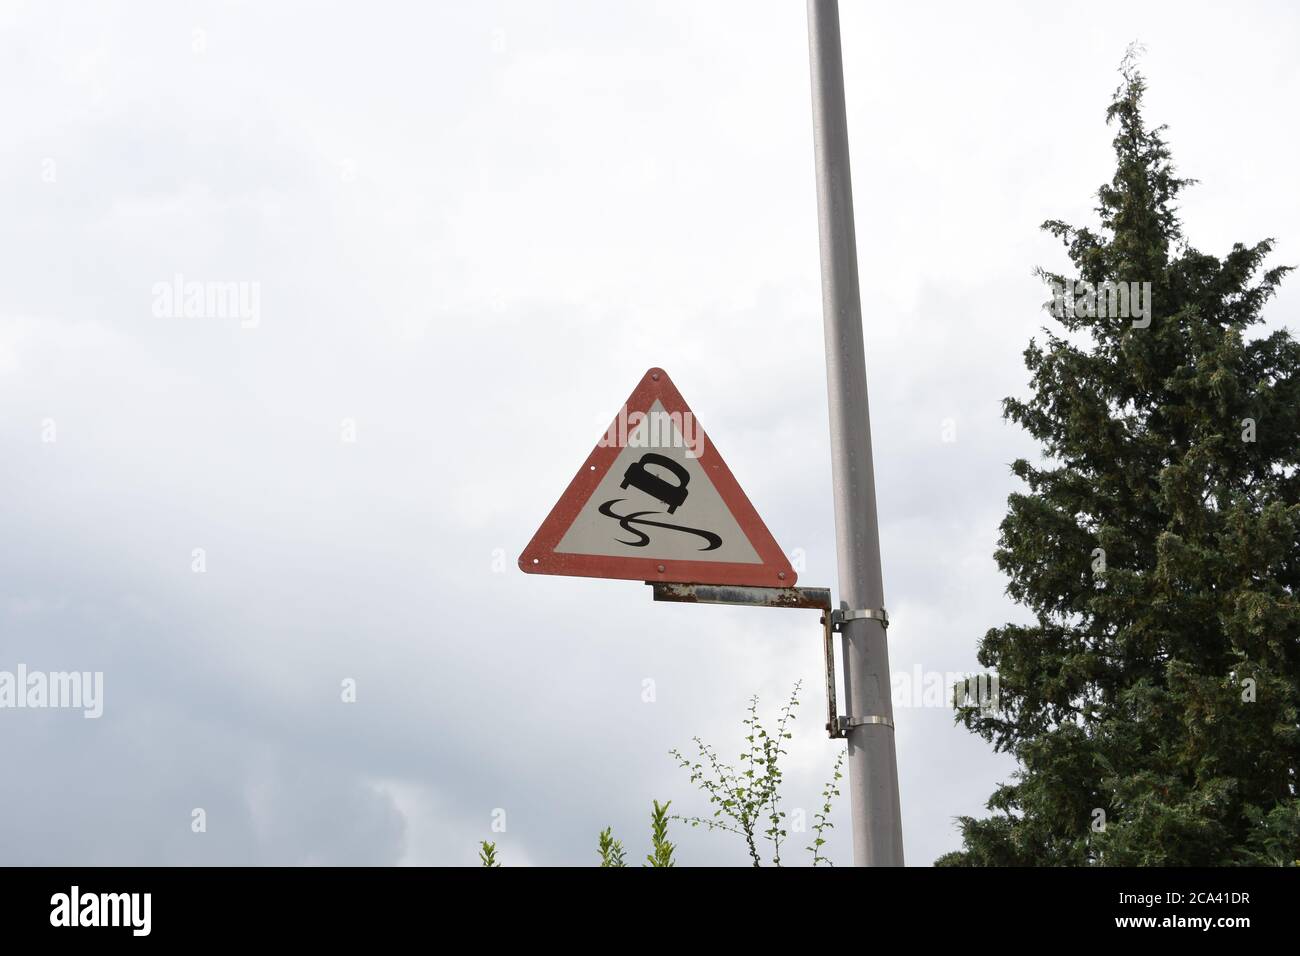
point(655, 502)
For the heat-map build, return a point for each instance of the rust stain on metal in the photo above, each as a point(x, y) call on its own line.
point(811, 598)
point(818, 599)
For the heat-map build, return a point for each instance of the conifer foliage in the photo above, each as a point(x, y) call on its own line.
point(1154, 705)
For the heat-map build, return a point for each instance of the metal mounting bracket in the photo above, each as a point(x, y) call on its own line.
point(846, 614)
point(811, 598)
point(848, 723)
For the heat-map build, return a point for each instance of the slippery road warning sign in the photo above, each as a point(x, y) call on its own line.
point(654, 501)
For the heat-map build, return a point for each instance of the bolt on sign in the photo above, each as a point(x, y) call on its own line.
point(654, 501)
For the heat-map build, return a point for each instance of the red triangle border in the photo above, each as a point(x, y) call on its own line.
point(540, 557)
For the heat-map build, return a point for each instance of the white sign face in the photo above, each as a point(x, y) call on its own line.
point(656, 501)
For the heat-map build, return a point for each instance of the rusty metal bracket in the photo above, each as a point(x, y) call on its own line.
point(810, 598)
point(838, 619)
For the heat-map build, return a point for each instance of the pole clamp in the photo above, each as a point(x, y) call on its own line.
point(838, 618)
point(843, 724)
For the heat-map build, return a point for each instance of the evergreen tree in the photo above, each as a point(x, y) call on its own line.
point(1154, 706)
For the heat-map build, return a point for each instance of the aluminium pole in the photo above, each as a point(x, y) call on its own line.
point(873, 765)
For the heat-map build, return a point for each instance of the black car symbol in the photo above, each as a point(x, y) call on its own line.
point(670, 494)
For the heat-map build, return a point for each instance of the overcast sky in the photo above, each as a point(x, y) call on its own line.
point(472, 228)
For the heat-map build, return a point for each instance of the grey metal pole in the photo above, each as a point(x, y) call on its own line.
point(873, 765)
